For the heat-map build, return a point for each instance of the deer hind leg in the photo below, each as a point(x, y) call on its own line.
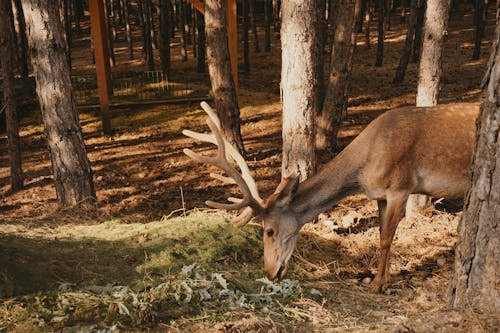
point(391, 212)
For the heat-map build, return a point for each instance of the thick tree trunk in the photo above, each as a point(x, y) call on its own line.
point(477, 258)
point(70, 165)
point(430, 68)
point(410, 35)
point(23, 40)
point(221, 76)
point(429, 75)
point(165, 26)
point(336, 96)
point(301, 48)
point(380, 41)
point(7, 62)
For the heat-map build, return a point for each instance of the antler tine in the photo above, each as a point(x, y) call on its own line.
point(251, 199)
point(235, 155)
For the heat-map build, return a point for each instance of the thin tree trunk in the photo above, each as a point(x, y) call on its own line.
point(368, 20)
point(7, 62)
point(23, 40)
point(165, 26)
point(111, 43)
point(71, 167)
point(480, 12)
point(268, 17)
point(419, 26)
point(410, 35)
point(276, 16)
point(477, 255)
point(128, 30)
point(301, 43)
point(182, 26)
point(429, 77)
point(380, 41)
point(221, 76)
point(336, 98)
point(254, 26)
point(246, 29)
point(201, 63)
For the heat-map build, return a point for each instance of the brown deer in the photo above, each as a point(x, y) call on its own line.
point(407, 150)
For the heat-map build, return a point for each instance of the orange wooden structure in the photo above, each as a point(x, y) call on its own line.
point(101, 51)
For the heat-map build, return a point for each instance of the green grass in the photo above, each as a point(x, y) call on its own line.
point(131, 275)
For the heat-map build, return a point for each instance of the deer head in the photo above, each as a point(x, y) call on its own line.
point(279, 223)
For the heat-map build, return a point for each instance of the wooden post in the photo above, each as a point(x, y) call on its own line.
point(101, 53)
point(232, 33)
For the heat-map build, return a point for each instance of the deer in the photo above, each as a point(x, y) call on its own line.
point(408, 150)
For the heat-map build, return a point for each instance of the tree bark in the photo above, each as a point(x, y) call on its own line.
point(23, 40)
point(246, 30)
point(410, 35)
point(128, 30)
point(268, 18)
point(254, 26)
point(477, 258)
point(480, 12)
point(301, 47)
point(70, 165)
point(380, 41)
point(429, 75)
point(419, 26)
point(430, 68)
point(336, 96)
point(165, 26)
point(7, 62)
point(201, 61)
point(221, 76)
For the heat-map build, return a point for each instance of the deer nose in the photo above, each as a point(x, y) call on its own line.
point(270, 273)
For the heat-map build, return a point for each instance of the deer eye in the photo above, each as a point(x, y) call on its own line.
point(270, 232)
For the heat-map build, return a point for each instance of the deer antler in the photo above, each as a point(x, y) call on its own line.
point(251, 199)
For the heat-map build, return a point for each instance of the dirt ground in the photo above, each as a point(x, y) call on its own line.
point(141, 175)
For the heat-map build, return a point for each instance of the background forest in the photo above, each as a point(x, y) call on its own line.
point(145, 254)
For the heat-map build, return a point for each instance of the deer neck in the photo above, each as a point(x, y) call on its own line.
point(336, 180)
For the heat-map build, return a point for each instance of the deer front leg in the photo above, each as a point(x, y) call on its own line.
point(391, 212)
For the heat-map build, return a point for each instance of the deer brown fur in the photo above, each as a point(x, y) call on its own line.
point(404, 151)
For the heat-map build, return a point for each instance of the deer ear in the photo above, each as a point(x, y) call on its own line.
point(286, 190)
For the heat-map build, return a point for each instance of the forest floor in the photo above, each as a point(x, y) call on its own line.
point(129, 265)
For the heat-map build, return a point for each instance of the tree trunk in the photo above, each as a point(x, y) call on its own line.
point(430, 69)
point(70, 165)
point(301, 47)
point(7, 62)
point(336, 97)
point(165, 26)
point(23, 40)
point(201, 61)
point(480, 11)
point(410, 34)
point(253, 15)
point(368, 20)
point(221, 76)
point(111, 43)
point(128, 30)
point(477, 258)
point(429, 75)
point(268, 17)
point(419, 26)
point(246, 29)
point(380, 41)
point(182, 27)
